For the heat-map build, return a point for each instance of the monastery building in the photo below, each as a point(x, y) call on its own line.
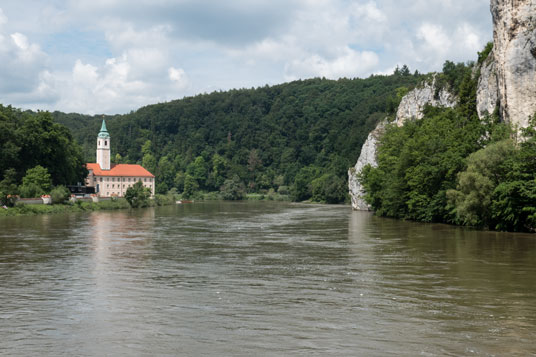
point(113, 180)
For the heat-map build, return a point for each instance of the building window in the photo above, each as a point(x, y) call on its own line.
point(123, 185)
point(105, 142)
point(101, 179)
point(107, 186)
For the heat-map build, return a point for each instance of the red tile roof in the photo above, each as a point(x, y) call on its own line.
point(120, 170)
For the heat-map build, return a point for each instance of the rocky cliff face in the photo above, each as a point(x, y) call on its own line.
point(507, 79)
point(487, 93)
point(514, 36)
point(367, 157)
point(412, 105)
point(411, 108)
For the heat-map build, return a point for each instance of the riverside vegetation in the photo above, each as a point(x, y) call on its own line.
point(295, 139)
point(291, 141)
point(454, 168)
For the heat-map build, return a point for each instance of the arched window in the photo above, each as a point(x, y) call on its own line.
point(105, 142)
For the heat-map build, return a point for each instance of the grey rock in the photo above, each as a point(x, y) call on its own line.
point(412, 105)
point(514, 36)
point(367, 157)
point(487, 93)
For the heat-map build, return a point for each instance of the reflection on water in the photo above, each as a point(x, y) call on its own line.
point(261, 278)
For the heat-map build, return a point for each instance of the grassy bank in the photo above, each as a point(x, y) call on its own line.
point(79, 206)
point(121, 203)
point(217, 196)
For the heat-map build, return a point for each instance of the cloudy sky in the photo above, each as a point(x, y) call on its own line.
point(114, 56)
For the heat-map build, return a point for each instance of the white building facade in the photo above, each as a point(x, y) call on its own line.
point(113, 180)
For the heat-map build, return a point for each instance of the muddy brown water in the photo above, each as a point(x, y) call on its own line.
point(262, 279)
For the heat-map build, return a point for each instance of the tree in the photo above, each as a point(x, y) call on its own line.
point(475, 189)
point(198, 170)
point(36, 182)
point(137, 195)
point(220, 166)
point(329, 188)
point(190, 186)
point(254, 162)
point(149, 162)
point(302, 190)
point(8, 188)
point(60, 194)
point(233, 189)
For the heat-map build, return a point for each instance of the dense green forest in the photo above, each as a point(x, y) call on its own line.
point(35, 154)
point(298, 138)
point(453, 167)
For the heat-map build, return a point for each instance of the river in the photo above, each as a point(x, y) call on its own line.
point(262, 279)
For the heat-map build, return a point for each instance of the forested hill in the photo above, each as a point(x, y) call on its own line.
point(301, 136)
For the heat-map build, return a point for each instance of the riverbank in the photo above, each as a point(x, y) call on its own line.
point(22, 209)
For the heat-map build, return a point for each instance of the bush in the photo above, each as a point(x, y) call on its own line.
point(8, 189)
point(36, 182)
point(233, 189)
point(137, 195)
point(329, 188)
point(60, 194)
point(31, 190)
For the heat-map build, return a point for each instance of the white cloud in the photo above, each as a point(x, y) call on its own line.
point(435, 39)
point(178, 77)
point(350, 63)
point(152, 51)
point(3, 17)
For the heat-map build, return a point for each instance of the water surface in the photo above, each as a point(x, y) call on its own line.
point(262, 278)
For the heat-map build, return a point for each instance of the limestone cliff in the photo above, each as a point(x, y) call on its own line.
point(411, 108)
point(367, 157)
point(487, 93)
point(507, 79)
point(514, 35)
point(412, 105)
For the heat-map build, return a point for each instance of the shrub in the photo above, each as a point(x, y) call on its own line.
point(60, 194)
point(233, 189)
point(137, 195)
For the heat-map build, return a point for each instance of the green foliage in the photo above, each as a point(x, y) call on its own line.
point(474, 193)
point(190, 186)
point(137, 195)
point(418, 163)
point(36, 182)
point(482, 56)
point(233, 189)
point(8, 188)
point(302, 188)
point(452, 167)
point(329, 188)
point(60, 194)
point(257, 134)
point(29, 139)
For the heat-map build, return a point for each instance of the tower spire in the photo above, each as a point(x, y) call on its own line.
point(103, 147)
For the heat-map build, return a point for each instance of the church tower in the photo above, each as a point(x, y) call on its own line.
point(103, 148)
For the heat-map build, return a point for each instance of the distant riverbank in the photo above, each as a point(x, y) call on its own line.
point(22, 209)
